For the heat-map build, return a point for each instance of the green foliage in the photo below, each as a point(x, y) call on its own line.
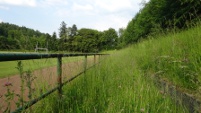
point(160, 16)
point(109, 39)
point(89, 40)
point(74, 30)
point(121, 38)
point(63, 31)
point(13, 37)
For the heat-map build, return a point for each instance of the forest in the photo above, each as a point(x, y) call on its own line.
point(13, 37)
point(161, 17)
point(152, 19)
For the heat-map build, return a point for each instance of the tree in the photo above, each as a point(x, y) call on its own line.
point(63, 31)
point(88, 40)
point(109, 39)
point(157, 16)
point(121, 38)
point(74, 30)
point(16, 37)
point(3, 42)
point(121, 32)
point(52, 43)
point(54, 35)
point(63, 34)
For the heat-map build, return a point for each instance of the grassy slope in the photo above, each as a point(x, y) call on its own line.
point(9, 68)
point(116, 85)
point(122, 82)
point(176, 57)
point(119, 84)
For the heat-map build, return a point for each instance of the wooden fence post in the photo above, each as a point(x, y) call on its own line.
point(59, 75)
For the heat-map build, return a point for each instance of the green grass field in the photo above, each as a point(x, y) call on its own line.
point(9, 68)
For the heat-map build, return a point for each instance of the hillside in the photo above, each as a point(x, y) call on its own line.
point(124, 81)
point(156, 17)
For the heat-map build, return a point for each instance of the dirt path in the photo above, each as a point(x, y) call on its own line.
point(45, 79)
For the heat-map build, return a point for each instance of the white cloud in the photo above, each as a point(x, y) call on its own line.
point(54, 3)
point(95, 14)
point(62, 13)
point(110, 21)
point(75, 10)
point(78, 7)
point(4, 8)
point(99, 14)
point(113, 5)
point(31, 3)
point(1, 21)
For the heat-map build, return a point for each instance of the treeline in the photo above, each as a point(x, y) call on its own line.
point(161, 16)
point(13, 37)
point(86, 40)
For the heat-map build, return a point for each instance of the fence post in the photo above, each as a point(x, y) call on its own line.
point(20, 69)
point(99, 58)
point(94, 59)
point(85, 64)
point(59, 75)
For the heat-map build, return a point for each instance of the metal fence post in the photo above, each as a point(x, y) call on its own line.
point(59, 75)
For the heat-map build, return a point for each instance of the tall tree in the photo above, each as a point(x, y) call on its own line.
point(63, 34)
point(63, 31)
point(53, 42)
point(54, 35)
point(74, 30)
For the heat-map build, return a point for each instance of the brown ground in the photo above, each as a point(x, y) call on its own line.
point(45, 80)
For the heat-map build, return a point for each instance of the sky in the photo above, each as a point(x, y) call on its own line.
point(47, 15)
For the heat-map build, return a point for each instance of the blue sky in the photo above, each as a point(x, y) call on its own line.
point(47, 15)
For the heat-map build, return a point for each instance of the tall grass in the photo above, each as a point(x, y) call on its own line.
point(176, 57)
point(123, 81)
point(116, 85)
